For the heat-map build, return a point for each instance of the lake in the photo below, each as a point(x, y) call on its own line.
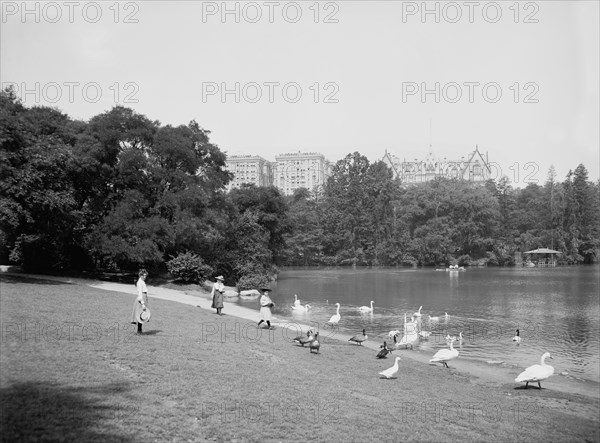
point(557, 309)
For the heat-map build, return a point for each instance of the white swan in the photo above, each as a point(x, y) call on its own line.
point(390, 372)
point(296, 301)
point(300, 308)
point(366, 309)
point(536, 373)
point(424, 334)
point(418, 313)
point(445, 355)
point(335, 318)
point(433, 318)
point(517, 337)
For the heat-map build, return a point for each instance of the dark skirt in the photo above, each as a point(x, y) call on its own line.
point(217, 301)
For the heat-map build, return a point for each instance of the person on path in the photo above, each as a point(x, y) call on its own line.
point(266, 304)
point(217, 294)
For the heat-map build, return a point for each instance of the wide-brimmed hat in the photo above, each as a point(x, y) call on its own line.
point(265, 289)
point(220, 277)
point(144, 316)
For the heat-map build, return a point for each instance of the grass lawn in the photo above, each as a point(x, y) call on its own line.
point(72, 369)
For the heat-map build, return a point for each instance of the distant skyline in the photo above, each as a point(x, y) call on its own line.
point(518, 79)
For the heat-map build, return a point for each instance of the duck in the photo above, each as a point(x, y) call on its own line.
point(359, 338)
point(315, 345)
point(384, 351)
point(335, 318)
point(393, 334)
point(307, 340)
point(390, 372)
point(445, 355)
point(517, 337)
point(536, 373)
point(300, 337)
point(301, 308)
point(366, 309)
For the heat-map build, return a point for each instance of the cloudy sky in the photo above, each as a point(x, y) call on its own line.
point(517, 79)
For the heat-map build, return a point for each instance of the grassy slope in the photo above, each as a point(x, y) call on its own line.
point(184, 380)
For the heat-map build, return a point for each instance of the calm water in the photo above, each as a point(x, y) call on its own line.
point(556, 309)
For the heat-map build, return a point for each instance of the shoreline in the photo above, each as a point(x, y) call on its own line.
point(482, 372)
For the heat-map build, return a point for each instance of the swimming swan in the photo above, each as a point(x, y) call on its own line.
point(366, 309)
point(296, 301)
point(301, 308)
point(536, 373)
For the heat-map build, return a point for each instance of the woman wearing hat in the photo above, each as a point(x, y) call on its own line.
point(141, 301)
point(265, 307)
point(217, 294)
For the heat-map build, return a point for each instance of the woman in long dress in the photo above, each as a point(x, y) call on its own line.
point(217, 294)
point(141, 300)
point(265, 307)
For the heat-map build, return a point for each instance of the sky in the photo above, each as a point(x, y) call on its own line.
point(519, 80)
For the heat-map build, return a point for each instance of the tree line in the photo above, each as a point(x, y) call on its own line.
point(121, 191)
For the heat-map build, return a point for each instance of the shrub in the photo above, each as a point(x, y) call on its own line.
point(252, 281)
point(189, 267)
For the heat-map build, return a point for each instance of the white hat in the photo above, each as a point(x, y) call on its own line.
point(220, 277)
point(145, 316)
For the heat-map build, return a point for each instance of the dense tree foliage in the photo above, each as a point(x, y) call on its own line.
point(122, 191)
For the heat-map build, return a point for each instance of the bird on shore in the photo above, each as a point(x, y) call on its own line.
point(366, 309)
point(300, 337)
point(393, 334)
point(335, 318)
point(359, 338)
point(384, 351)
point(390, 372)
point(536, 373)
point(296, 301)
point(315, 345)
point(406, 341)
point(307, 340)
point(445, 355)
point(517, 337)
point(436, 318)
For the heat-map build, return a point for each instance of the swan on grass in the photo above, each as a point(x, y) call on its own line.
point(366, 309)
point(445, 355)
point(536, 373)
point(359, 338)
point(517, 337)
point(390, 372)
point(335, 318)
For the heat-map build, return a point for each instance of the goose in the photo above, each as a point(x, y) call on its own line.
point(359, 338)
point(307, 340)
point(517, 337)
point(315, 344)
point(366, 309)
point(390, 372)
point(445, 355)
point(393, 334)
point(384, 351)
point(301, 308)
point(536, 373)
point(296, 301)
point(335, 318)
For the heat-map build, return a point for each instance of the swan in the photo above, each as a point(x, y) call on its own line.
point(366, 309)
point(536, 373)
point(384, 351)
point(393, 334)
point(424, 334)
point(418, 313)
point(296, 301)
point(315, 344)
point(445, 355)
point(406, 341)
point(359, 338)
point(517, 337)
point(335, 318)
point(390, 372)
point(454, 337)
point(446, 315)
point(433, 318)
point(301, 308)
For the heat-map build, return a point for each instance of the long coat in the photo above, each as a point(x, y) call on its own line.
point(265, 307)
point(137, 303)
point(217, 295)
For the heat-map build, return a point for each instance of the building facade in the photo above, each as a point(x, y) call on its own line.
point(300, 170)
point(248, 169)
point(474, 167)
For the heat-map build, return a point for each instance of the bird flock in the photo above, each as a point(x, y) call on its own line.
point(410, 335)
